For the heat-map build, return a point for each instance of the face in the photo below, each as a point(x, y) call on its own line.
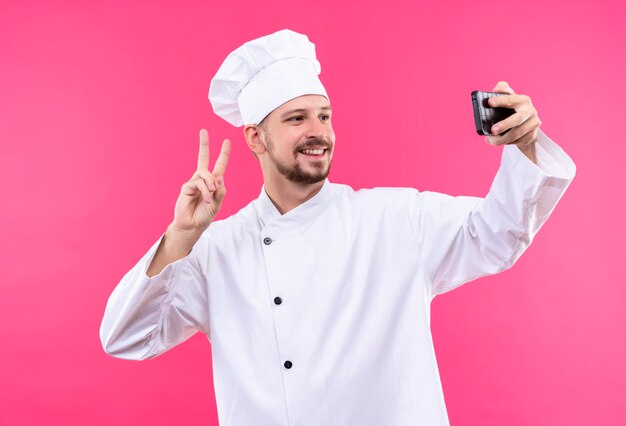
point(299, 139)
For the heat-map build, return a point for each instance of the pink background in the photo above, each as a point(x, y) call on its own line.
point(100, 107)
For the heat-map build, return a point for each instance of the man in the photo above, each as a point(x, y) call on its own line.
point(315, 297)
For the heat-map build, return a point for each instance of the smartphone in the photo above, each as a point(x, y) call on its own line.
point(484, 115)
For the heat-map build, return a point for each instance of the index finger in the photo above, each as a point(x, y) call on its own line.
point(505, 101)
point(222, 160)
point(203, 154)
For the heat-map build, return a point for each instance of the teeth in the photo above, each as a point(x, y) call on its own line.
point(313, 151)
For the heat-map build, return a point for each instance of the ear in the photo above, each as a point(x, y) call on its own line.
point(252, 133)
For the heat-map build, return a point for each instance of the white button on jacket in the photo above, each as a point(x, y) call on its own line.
point(321, 316)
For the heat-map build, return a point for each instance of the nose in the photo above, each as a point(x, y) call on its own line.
point(317, 129)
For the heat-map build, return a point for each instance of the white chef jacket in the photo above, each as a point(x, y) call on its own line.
point(321, 316)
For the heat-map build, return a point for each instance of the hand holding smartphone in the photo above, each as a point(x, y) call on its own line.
point(484, 115)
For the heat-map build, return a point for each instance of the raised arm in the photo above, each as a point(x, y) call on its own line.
point(463, 238)
point(163, 299)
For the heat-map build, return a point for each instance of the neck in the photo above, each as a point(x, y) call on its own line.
point(287, 195)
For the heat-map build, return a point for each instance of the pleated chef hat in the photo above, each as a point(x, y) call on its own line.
point(263, 74)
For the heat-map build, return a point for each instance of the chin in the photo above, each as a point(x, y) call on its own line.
point(298, 176)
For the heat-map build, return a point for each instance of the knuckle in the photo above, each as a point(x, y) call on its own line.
point(206, 176)
point(201, 183)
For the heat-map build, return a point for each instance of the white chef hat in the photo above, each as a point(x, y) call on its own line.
point(263, 74)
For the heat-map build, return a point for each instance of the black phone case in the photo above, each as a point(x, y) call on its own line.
point(484, 115)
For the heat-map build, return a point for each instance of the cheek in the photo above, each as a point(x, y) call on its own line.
point(331, 135)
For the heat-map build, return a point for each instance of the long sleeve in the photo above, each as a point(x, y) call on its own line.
point(146, 316)
point(463, 238)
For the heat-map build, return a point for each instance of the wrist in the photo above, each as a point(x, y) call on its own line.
point(181, 241)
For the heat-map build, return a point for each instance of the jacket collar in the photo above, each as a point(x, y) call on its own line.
point(268, 213)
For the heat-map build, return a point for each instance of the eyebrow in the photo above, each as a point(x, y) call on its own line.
point(285, 114)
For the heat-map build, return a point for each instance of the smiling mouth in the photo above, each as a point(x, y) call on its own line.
point(313, 153)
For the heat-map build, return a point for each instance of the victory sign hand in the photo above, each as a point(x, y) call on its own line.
point(201, 197)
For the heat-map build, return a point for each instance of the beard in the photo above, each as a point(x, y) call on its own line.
point(295, 173)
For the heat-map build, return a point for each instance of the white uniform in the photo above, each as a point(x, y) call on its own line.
point(321, 316)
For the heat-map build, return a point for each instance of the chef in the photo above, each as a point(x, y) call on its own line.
point(316, 297)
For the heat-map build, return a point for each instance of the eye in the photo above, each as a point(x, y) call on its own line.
point(295, 118)
point(325, 117)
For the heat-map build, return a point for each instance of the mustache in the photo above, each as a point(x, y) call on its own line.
point(313, 143)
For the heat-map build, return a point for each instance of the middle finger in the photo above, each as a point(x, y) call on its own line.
point(515, 134)
point(515, 120)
